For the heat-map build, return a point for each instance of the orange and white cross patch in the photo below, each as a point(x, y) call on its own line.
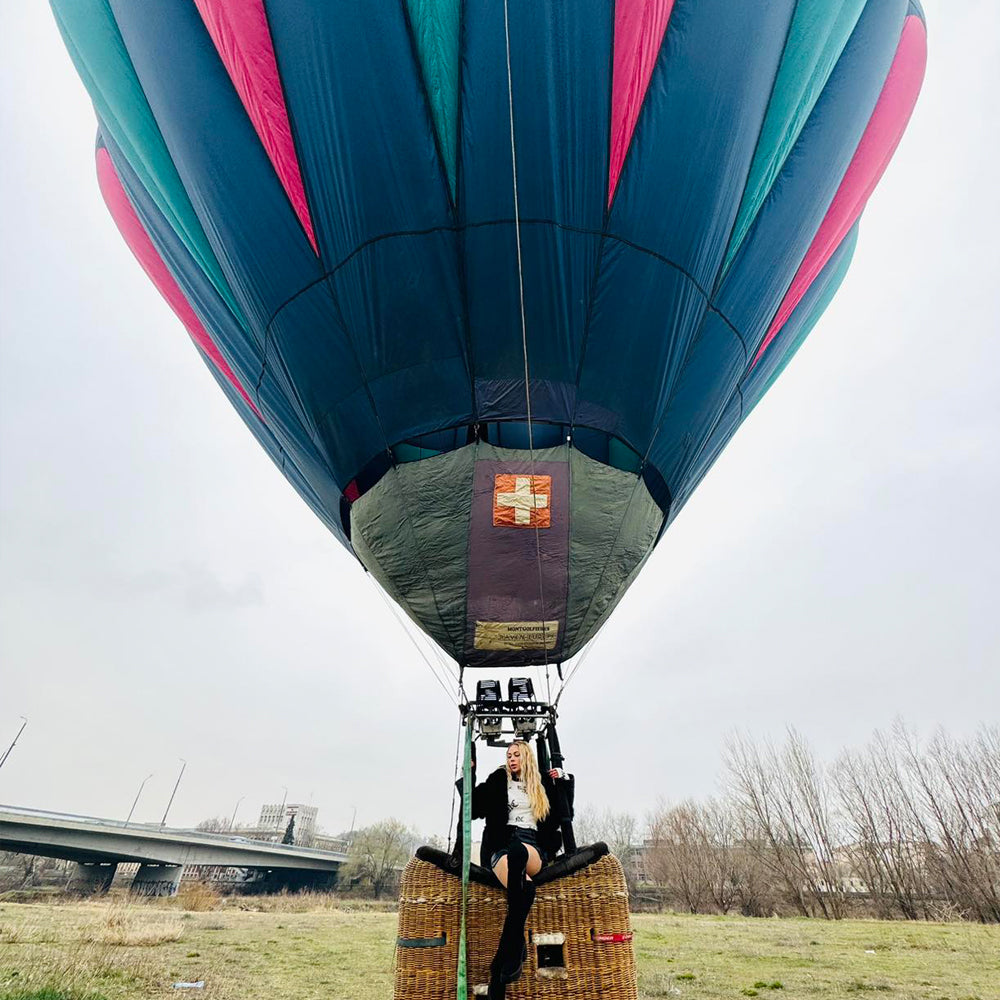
point(522, 501)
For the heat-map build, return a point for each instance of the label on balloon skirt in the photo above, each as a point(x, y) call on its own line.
point(516, 635)
point(518, 561)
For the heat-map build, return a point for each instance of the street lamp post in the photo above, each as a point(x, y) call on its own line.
point(184, 764)
point(13, 742)
point(135, 801)
point(232, 819)
point(281, 808)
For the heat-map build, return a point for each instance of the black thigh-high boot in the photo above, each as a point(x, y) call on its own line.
point(511, 951)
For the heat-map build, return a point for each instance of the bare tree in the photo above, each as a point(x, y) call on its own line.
point(707, 857)
point(882, 829)
point(923, 822)
point(588, 825)
point(757, 887)
point(808, 820)
point(619, 830)
point(378, 853)
point(718, 830)
point(753, 784)
point(622, 836)
point(214, 824)
point(29, 864)
point(676, 855)
point(957, 797)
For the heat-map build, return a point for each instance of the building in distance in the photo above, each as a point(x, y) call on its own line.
point(274, 817)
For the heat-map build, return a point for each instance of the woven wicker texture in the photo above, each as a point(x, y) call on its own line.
point(591, 901)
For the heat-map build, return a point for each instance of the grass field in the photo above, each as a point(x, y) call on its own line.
point(313, 948)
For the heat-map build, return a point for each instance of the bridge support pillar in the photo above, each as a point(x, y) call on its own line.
point(92, 877)
point(157, 880)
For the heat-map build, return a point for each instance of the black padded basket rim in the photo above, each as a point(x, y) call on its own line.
point(565, 864)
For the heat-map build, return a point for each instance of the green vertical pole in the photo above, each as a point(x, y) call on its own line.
point(462, 979)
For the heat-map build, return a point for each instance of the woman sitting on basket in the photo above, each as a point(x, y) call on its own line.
point(522, 832)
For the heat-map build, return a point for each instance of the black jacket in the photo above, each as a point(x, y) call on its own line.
point(489, 802)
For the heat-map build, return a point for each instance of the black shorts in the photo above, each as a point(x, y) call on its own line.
point(523, 834)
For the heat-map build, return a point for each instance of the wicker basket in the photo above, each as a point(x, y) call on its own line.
point(579, 936)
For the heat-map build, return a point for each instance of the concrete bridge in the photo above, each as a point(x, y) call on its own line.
point(98, 846)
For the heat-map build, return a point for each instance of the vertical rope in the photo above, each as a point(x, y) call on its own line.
point(524, 331)
point(517, 222)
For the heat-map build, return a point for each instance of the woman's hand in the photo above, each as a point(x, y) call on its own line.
point(557, 772)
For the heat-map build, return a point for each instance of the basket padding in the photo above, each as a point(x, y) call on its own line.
point(565, 864)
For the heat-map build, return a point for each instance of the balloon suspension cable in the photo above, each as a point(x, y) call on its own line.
point(445, 665)
point(402, 624)
point(458, 751)
point(524, 337)
point(579, 663)
point(449, 671)
point(632, 494)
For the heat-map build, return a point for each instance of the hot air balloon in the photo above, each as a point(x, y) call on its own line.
point(494, 282)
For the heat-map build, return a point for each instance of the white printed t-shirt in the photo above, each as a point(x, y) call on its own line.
point(518, 806)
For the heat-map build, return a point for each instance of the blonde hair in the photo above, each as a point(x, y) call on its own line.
point(537, 798)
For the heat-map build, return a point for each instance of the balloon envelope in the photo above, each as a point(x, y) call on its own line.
point(325, 194)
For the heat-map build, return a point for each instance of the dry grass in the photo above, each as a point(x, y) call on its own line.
point(308, 902)
point(197, 897)
point(11, 935)
point(127, 924)
point(308, 948)
point(28, 932)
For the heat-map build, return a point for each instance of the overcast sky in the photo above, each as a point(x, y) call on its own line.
point(166, 594)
